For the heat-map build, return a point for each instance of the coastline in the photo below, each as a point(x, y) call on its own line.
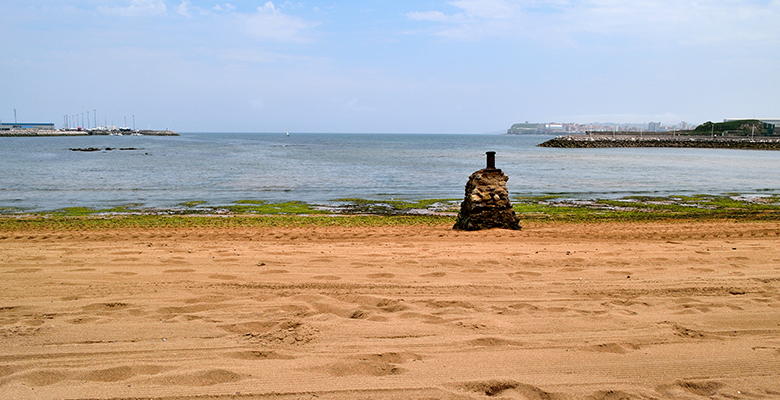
point(365, 212)
point(666, 140)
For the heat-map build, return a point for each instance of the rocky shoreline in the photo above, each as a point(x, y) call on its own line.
point(604, 141)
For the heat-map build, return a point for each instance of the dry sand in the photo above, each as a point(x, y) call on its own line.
point(557, 311)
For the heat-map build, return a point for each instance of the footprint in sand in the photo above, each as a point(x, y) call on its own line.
point(174, 261)
point(434, 274)
point(493, 342)
point(613, 395)
point(359, 264)
point(381, 275)
point(207, 299)
point(503, 388)
point(322, 259)
point(122, 373)
point(179, 270)
point(105, 306)
point(474, 271)
point(326, 277)
point(200, 378)
point(6, 370)
point(124, 273)
point(223, 277)
point(124, 253)
point(259, 355)
point(616, 348)
point(275, 271)
point(382, 364)
point(226, 260)
point(524, 306)
point(252, 327)
point(23, 270)
point(41, 377)
point(520, 274)
point(82, 320)
point(698, 388)
point(449, 304)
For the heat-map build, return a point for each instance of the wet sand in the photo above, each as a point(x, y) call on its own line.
point(687, 310)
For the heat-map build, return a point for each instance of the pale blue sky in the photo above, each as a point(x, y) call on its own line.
point(461, 66)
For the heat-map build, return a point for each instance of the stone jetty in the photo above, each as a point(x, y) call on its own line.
point(667, 140)
point(486, 204)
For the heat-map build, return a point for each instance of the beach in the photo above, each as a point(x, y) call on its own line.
point(615, 310)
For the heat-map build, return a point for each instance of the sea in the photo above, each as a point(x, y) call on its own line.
point(42, 173)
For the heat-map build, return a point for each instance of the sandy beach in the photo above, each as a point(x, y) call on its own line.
point(657, 310)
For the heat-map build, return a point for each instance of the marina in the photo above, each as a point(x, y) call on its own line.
point(77, 125)
point(43, 132)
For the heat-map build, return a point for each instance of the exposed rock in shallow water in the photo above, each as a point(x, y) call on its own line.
point(103, 149)
point(486, 204)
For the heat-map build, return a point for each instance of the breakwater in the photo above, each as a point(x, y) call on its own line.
point(718, 142)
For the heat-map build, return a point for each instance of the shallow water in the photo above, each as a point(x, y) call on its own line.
point(41, 173)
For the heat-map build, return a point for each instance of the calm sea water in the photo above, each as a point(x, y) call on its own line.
point(41, 173)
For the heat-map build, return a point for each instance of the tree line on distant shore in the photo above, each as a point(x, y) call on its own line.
point(743, 127)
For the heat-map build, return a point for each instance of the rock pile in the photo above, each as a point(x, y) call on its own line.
point(679, 141)
point(486, 204)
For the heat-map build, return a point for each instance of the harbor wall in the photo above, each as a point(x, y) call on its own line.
point(592, 141)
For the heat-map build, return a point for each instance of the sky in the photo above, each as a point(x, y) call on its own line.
point(424, 66)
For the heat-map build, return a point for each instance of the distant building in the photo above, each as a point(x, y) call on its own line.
point(653, 126)
point(541, 128)
point(7, 126)
point(554, 127)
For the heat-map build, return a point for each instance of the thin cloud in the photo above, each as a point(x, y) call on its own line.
point(224, 7)
point(267, 22)
point(490, 9)
point(435, 16)
point(270, 23)
point(687, 22)
point(137, 8)
point(184, 8)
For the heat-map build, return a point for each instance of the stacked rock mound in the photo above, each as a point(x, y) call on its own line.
point(486, 204)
